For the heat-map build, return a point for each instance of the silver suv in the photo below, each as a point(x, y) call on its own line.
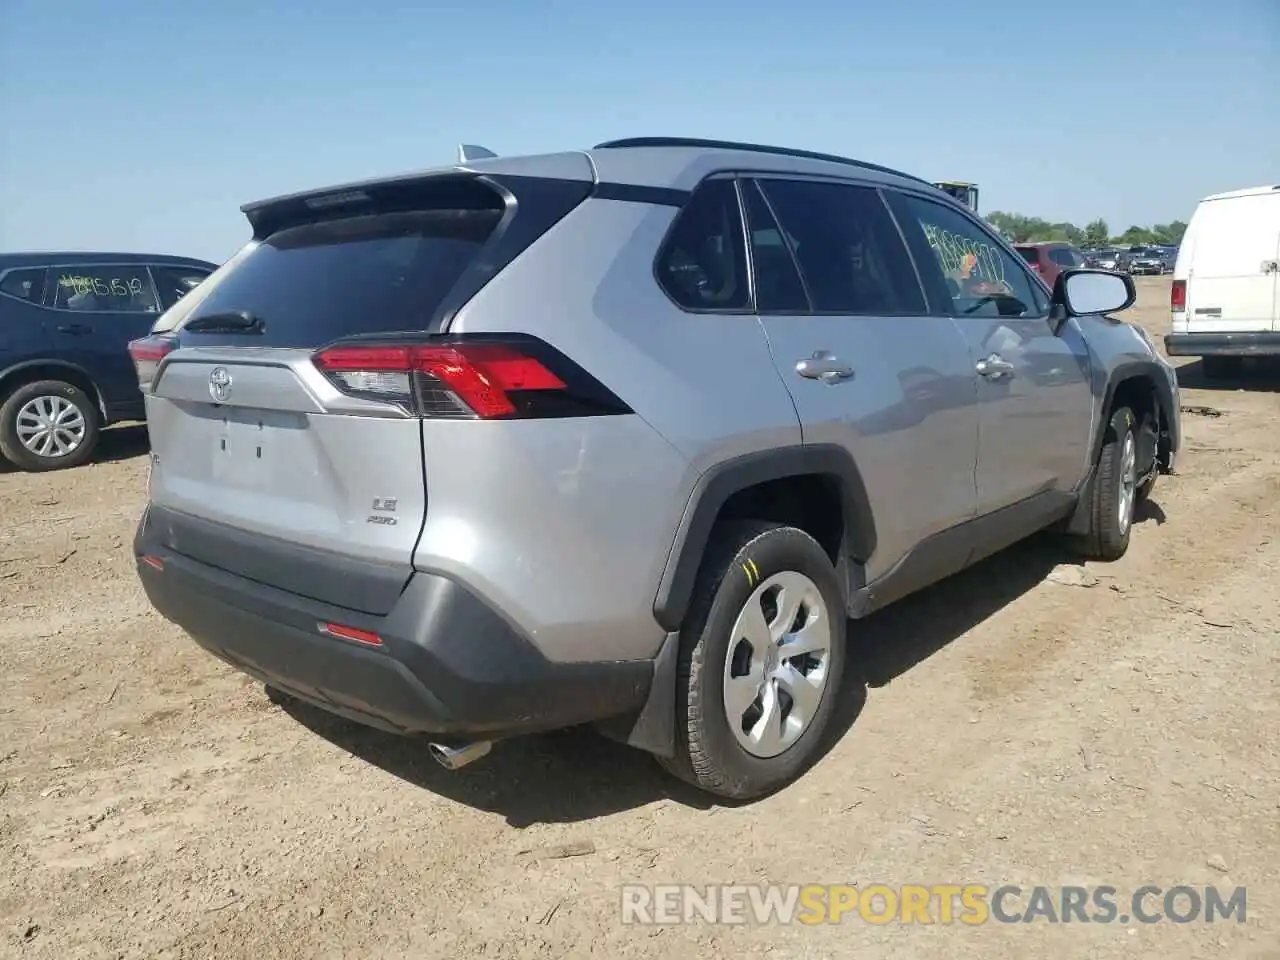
point(621, 437)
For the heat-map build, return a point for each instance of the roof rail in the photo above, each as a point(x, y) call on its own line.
point(751, 148)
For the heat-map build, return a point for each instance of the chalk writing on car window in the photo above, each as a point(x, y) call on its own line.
point(101, 286)
point(965, 258)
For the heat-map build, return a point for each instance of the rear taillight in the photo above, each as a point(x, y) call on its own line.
point(147, 355)
point(466, 378)
point(1178, 296)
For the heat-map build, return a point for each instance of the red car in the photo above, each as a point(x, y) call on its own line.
point(1050, 258)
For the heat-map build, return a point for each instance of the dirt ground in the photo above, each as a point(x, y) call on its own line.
point(1005, 727)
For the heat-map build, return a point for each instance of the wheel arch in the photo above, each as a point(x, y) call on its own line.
point(732, 482)
point(32, 371)
point(1133, 382)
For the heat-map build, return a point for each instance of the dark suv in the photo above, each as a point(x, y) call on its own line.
point(1049, 258)
point(66, 320)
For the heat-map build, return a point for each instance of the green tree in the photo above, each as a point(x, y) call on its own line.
point(1169, 233)
point(1096, 233)
point(1136, 235)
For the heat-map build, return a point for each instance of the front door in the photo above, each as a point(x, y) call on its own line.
point(96, 310)
point(1034, 386)
point(866, 365)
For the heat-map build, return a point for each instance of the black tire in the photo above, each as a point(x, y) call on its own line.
point(1220, 368)
point(742, 556)
point(11, 447)
point(1108, 535)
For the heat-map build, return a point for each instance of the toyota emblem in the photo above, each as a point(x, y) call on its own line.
point(220, 384)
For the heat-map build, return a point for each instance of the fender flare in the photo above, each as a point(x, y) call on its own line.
point(1131, 370)
point(65, 365)
point(714, 488)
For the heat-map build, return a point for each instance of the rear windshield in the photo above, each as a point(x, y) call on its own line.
point(311, 284)
point(1030, 254)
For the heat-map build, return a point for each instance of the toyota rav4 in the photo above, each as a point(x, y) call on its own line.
point(630, 437)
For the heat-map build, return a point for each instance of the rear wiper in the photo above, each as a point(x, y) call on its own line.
point(228, 321)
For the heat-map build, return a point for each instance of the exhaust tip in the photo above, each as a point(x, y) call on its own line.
point(455, 758)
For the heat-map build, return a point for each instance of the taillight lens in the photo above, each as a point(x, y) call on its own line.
point(147, 354)
point(462, 379)
point(1178, 296)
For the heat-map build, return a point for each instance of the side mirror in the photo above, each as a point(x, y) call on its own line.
point(1089, 292)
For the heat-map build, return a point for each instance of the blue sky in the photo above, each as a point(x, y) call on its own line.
point(144, 125)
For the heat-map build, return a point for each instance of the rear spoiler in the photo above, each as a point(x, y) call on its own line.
point(267, 216)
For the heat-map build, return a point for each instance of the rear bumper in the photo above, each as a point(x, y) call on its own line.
point(447, 663)
point(1251, 344)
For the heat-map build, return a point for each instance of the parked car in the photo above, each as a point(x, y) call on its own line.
point(1148, 261)
point(1111, 259)
point(66, 320)
point(1226, 282)
point(532, 442)
point(1050, 258)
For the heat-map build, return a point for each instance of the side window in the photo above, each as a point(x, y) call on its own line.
point(980, 278)
point(778, 285)
point(851, 256)
point(175, 281)
point(1065, 257)
point(702, 264)
point(92, 288)
point(26, 284)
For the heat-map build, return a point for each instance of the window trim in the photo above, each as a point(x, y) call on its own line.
point(151, 269)
point(1000, 242)
point(52, 287)
point(876, 188)
point(44, 285)
point(754, 184)
point(749, 310)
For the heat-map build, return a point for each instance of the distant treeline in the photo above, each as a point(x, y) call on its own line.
point(1020, 229)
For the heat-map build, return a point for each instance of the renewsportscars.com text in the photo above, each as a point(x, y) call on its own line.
point(970, 904)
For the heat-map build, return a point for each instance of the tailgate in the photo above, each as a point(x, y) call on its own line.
point(263, 465)
point(261, 468)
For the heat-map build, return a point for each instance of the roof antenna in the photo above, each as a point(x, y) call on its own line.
point(469, 151)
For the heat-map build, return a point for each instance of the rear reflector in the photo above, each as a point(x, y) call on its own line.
point(152, 561)
point(355, 634)
point(147, 355)
point(1178, 296)
point(515, 377)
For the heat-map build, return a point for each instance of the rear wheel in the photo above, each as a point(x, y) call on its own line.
point(761, 657)
point(48, 425)
point(1221, 368)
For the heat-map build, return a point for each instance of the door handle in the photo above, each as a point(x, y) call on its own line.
point(825, 367)
point(73, 328)
point(994, 367)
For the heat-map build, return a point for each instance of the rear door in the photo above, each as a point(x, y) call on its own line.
point(262, 466)
point(1231, 287)
point(96, 309)
point(867, 367)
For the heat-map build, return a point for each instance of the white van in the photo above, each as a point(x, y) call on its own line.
point(1226, 282)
